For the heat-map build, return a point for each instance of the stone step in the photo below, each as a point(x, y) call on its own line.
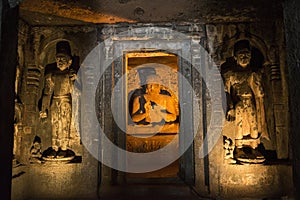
point(147, 192)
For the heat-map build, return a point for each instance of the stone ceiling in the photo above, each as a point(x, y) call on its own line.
point(75, 12)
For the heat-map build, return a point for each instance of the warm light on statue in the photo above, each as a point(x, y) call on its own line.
point(154, 107)
point(243, 87)
point(56, 101)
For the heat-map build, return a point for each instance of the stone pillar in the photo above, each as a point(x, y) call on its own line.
point(279, 106)
point(8, 46)
point(292, 27)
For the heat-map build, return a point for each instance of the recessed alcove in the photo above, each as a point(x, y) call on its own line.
point(147, 137)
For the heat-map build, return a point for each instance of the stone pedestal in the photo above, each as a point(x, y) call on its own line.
point(59, 180)
point(56, 179)
point(255, 181)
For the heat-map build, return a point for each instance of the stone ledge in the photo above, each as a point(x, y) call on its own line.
point(63, 180)
point(254, 180)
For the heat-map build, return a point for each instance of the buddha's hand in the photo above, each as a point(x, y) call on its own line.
point(147, 107)
point(156, 114)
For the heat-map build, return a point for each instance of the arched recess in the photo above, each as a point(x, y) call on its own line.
point(262, 60)
point(46, 55)
point(225, 49)
point(47, 49)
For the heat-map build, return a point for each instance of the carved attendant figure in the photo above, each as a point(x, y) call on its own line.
point(56, 100)
point(245, 103)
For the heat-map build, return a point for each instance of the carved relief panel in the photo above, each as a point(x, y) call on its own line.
point(34, 56)
point(223, 44)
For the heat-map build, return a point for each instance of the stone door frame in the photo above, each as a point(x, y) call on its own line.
point(119, 39)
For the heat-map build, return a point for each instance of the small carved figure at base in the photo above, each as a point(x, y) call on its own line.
point(248, 155)
point(51, 154)
point(228, 148)
point(35, 151)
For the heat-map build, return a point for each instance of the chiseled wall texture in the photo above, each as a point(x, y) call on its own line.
point(32, 178)
point(292, 30)
point(222, 18)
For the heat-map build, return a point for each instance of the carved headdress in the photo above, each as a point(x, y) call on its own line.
point(241, 45)
point(63, 48)
point(147, 74)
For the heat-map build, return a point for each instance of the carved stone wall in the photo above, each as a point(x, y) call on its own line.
point(118, 39)
point(36, 49)
point(292, 29)
point(268, 40)
point(221, 39)
point(27, 84)
point(210, 175)
point(211, 172)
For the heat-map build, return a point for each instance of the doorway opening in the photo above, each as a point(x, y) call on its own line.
point(153, 108)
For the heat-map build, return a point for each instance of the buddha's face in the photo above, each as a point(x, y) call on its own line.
point(63, 61)
point(153, 88)
point(243, 57)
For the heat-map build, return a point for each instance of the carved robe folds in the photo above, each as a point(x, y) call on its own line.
point(245, 96)
point(57, 96)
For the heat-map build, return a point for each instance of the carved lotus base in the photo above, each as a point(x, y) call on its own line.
point(249, 155)
point(54, 159)
point(251, 160)
point(58, 156)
